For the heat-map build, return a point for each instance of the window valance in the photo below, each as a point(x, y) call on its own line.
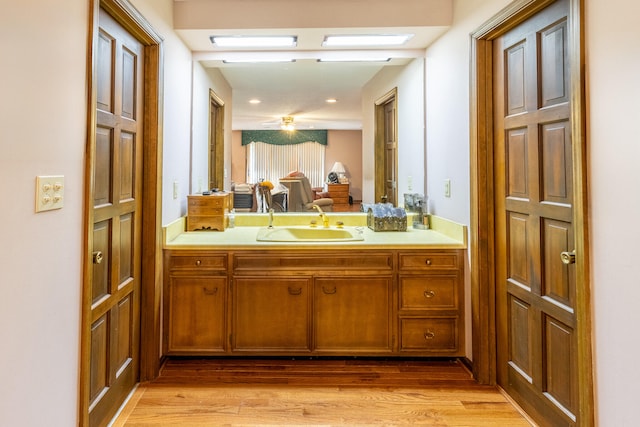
point(283, 137)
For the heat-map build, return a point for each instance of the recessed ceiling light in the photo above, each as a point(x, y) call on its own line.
point(366, 40)
point(331, 101)
point(254, 101)
point(254, 41)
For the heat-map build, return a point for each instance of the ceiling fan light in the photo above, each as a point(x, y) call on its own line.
point(254, 41)
point(287, 123)
point(366, 40)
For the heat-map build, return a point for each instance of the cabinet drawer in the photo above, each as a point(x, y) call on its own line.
point(220, 201)
point(217, 223)
point(429, 261)
point(207, 211)
point(352, 263)
point(429, 333)
point(197, 262)
point(428, 293)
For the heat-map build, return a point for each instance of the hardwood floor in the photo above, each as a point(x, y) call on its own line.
point(279, 392)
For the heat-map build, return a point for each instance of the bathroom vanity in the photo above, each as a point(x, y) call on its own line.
point(389, 294)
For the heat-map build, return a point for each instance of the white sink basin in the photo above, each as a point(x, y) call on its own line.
point(308, 234)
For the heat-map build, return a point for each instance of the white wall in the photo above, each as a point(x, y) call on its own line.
point(613, 89)
point(176, 124)
point(409, 80)
point(42, 117)
point(447, 123)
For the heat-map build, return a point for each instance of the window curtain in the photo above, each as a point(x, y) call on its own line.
point(271, 162)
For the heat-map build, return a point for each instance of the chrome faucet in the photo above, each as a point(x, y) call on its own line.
point(325, 218)
point(271, 218)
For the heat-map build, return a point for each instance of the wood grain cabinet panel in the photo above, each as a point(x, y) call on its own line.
point(271, 314)
point(195, 302)
point(353, 314)
point(197, 314)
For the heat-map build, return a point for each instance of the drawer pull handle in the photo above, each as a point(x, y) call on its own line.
point(429, 294)
point(429, 335)
point(329, 291)
point(198, 262)
point(208, 291)
point(293, 291)
point(428, 261)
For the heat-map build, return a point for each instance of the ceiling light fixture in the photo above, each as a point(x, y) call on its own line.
point(255, 61)
point(254, 101)
point(287, 123)
point(254, 41)
point(331, 101)
point(366, 40)
point(372, 59)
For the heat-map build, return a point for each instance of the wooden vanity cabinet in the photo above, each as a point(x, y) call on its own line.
point(314, 302)
point(353, 314)
point(431, 303)
point(348, 292)
point(195, 303)
point(271, 314)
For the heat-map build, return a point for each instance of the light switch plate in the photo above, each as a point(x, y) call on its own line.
point(49, 192)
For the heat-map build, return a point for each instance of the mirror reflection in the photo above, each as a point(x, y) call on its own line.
point(369, 139)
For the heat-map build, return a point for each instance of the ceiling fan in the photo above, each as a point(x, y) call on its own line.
point(287, 123)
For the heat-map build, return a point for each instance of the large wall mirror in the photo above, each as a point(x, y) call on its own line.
point(321, 86)
point(301, 90)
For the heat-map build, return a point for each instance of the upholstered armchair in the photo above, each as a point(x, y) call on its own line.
point(301, 195)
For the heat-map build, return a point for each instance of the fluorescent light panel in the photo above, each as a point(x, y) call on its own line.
point(366, 40)
point(254, 61)
point(254, 41)
point(355, 60)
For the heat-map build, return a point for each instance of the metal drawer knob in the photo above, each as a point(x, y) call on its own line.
point(428, 261)
point(429, 294)
point(429, 335)
point(198, 262)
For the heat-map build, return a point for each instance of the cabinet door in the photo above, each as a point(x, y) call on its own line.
point(196, 314)
point(353, 314)
point(271, 314)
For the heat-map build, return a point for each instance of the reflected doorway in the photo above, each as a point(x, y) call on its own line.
point(216, 141)
point(386, 149)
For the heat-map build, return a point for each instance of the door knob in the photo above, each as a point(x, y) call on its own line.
point(97, 257)
point(568, 257)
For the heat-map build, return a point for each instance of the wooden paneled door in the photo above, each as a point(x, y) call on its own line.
point(117, 220)
point(535, 274)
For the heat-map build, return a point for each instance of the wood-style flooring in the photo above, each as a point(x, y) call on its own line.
point(314, 392)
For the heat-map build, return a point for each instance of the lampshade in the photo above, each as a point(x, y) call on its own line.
point(338, 168)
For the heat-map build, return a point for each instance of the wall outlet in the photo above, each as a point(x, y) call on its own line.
point(49, 192)
point(447, 187)
point(175, 190)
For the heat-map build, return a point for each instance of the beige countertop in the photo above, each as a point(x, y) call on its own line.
point(443, 235)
